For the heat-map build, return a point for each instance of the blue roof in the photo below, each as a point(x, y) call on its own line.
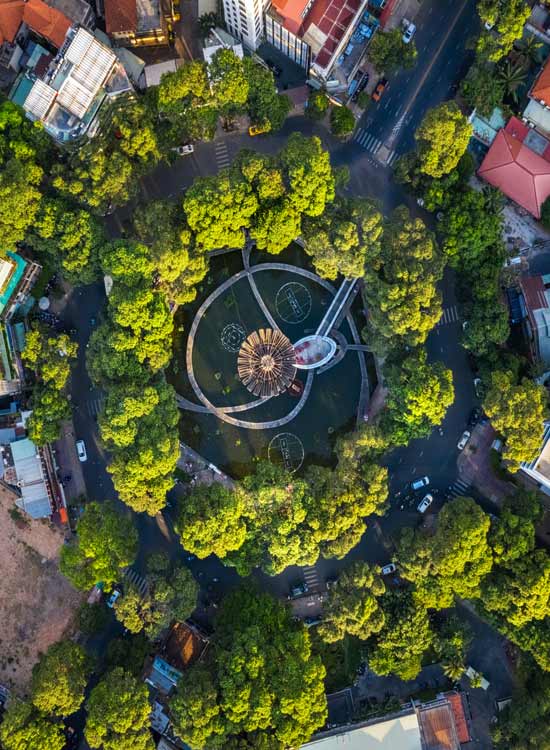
point(14, 279)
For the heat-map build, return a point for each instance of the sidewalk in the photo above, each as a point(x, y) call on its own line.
point(202, 471)
point(69, 465)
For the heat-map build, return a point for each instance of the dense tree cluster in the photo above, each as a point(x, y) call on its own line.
point(442, 138)
point(260, 687)
point(400, 284)
point(517, 411)
point(506, 19)
point(127, 353)
point(23, 726)
point(59, 679)
point(388, 51)
point(274, 519)
point(168, 597)
point(50, 357)
point(105, 543)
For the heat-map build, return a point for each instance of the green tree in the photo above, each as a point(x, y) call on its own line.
point(388, 51)
point(406, 636)
point(342, 121)
point(487, 325)
point(59, 679)
point(517, 411)
point(119, 713)
point(342, 238)
point(49, 408)
point(129, 653)
point(70, 238)
point(523, 725)
point(511, 536)
point(105, 543)
point(508, 18)
point(92, 618)
point(265, 105)
point(228, 80)
point(50, 356)
point(452, 643)
point(279, 695)
point(512, 76)
point(451, 562)
point(309, 174)
point(352, 606)
point(400, 284)
point(418, 399)
point(317, 105)
point(19, 200)
point(442, 138)
point(481, 89)
point(23, 728)
point(211, 521)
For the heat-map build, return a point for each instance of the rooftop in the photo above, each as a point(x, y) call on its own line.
point(517, 163)
point(399, 733)
point(538, 114)
point(120, 16)
point(79, 11)
point(48, 22)
point(437, 727)
point(25, 459)
point(540, 90)
point(11, 18)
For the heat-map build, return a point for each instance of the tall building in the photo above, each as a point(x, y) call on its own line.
point(245, 20)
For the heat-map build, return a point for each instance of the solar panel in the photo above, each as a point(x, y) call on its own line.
point(39, 99)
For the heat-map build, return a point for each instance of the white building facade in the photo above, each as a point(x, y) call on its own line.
point(245, 20)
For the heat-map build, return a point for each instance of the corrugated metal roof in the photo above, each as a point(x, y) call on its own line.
point(23, 449)
point(39, 99)
point(75, 97)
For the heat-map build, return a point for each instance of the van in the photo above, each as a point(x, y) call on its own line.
point(420, 482)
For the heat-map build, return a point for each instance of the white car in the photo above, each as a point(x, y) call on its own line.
point(425, 504)
point(113, 598)
point(184, 150)
point(420, 482)
point(81, 451)
point(388, 569)
point(464, 439)
point(409, 33)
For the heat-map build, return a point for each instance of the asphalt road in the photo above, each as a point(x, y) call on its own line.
point(443, 29)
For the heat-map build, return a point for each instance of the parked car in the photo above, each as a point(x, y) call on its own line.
point(111, 601)
point(388, 569)
point(81, 450)
point(474, 417)
point(410, 30)
point(466, 435)
point(299, 588)
point(420, 482)
point(258, 129)
point(425, 504)
point(379, 90)
point(187, 148)
point(478, 387)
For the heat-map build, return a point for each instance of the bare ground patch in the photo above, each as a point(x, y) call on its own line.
point(37, 603)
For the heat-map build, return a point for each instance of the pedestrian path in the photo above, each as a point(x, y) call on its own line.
point(311, 577)
point(94, 405)
point(373, 144)
point(222, 155)
point(136, 580)
point(459, 488)
point(449, 315)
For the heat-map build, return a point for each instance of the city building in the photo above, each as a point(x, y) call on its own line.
point(67, 92)
point(17, 277)
point(518, 163)
point(535, 300)
point(135, 22)
point(326, 37)
point(184, 645)
point(538, 470)
point(219, 39)
point(244, 20)
point(78, 11)
point(438, 725)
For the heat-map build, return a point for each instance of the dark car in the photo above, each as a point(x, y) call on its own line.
point(298, 588)
point(474, 417)
point(275, 69)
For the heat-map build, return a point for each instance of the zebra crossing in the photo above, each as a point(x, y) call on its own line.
point(222, 155)
point(449, 315)
point(94, 405)
point(372, 144)
point(459, 488)
point(136, 580)
point(311, 577)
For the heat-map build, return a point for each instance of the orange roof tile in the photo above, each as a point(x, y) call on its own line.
point(520, 173)
point(461, 724)
point(120, 15)
point(291, 11)
point(541, 88)
point(11, 17)
point(47, 22)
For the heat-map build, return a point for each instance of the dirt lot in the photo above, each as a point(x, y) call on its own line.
point(36, 602)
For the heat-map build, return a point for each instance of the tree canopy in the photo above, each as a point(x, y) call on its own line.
point(352, 606)
point(119, 713)
point(59, 679)
point(442, 138)
point(388, 51)
point(262, 682)
point(516, 410)
point(24, 728)
point(105, 543)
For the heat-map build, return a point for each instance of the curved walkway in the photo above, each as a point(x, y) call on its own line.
point(223, 413)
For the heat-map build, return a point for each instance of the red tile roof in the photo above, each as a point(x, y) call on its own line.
point(520, 173)
point(541, 88)
point(48, 22)
point(533, 292)
point(11, 17)
point(291, 13)
point(459, 715)
point(333, 18)
point(120, 16)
